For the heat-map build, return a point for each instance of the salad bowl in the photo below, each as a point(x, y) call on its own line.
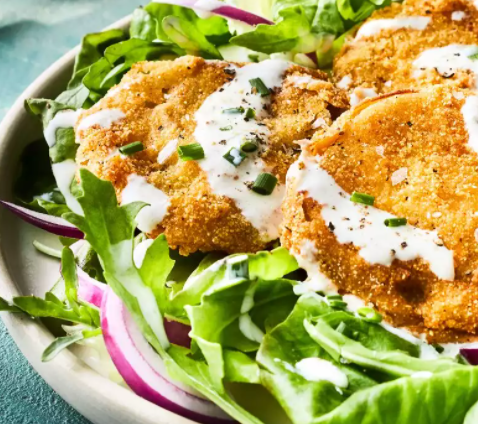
point(24, 271)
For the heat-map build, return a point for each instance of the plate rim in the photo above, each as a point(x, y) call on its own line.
point(83, 388)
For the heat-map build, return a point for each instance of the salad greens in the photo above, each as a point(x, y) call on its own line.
point(247, 326)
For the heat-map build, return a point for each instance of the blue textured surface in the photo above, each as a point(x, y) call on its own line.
point(33, 34)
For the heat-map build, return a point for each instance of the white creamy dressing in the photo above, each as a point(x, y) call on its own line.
point(139, 252)
point(360, 94)
point(316, 280)
point(345, 82)
point(363, 226)
point(167, 150)
point(248, 328)
point(317, 369)
point(470, 115)
point(104, 118)
point(304, 81)
point(139, 190)
point(263, 212)
point(64, 173)
point(447, 60)
point(63, 119)
point(458, 15)
point(370, 28)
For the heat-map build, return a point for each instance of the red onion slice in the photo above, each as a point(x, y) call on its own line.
point(49, 223)
point(143, 370)
point(90, 290)
point(219, 8)
point(471, 355)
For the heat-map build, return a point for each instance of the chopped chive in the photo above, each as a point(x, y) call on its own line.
point(473, 56)
point(234, 156)
point(438, 348)
point(228, 128)
point(47, 250)
point(363, 198)
point(132, 148)
point(337, 304)
point(253, 57)
point(259, 85)
point(395, 222)
point(369, 315)
point(248, 146)
point(250, 113)
point(192, 151)
point(334, 297)
point(238, 267)
point(232, 110)
point(264, 184)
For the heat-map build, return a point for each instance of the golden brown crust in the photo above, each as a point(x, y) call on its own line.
point(160, 100)
point(384, 61)
point(425, 133)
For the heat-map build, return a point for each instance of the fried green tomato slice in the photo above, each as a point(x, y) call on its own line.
point(191, 137)
point(411, 45)
point(384, 206)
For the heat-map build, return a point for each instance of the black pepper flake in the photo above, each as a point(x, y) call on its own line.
point(331, 226)
point(229, 71)
point(393, 252)
point(160, 128)
point(223, 142)
point(221, 90)
point(404, 244)
point(409, 124)
point(435, 171)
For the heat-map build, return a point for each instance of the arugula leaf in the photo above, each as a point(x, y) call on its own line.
point(61, 343)
point(143, 25)
point(7, 307)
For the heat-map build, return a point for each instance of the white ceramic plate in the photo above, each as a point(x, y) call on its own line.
point(24, 271)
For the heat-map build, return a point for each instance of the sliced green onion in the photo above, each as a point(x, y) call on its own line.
point(253, 57)
point(248, 146)
point(363, 198)
point(47, 250)
point(369, 315)
point(395, 222)
point(250, 113)
point(234, 156)
point(238, 267)
point(337, 304)
point(264, 184)
point(232, 110)
point(473, 56)
point(132, 148)
point(228, 128)
point(438, 348)
point(334, 297)
point(259, 85)
point(192, 151)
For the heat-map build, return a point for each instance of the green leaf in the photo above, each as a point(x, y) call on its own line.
point(45, 109)
point(240, 368)
point(327, 18)
point(58, 345)
point(7, 307)
point(187, 36)
point(143, 25)
point(288, 34)
point(289, 343)
point(195, 374)
point(68, 271)
point(65, 147)
point(443, 398)
point(394, 362)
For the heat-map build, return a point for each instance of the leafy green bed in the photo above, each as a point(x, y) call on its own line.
point(387, 381)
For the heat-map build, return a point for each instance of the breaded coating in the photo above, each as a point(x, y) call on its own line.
point(384, 61)
point(424, 135)
point(159, 100)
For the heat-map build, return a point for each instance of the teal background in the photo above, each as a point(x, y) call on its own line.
point(33, 34)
